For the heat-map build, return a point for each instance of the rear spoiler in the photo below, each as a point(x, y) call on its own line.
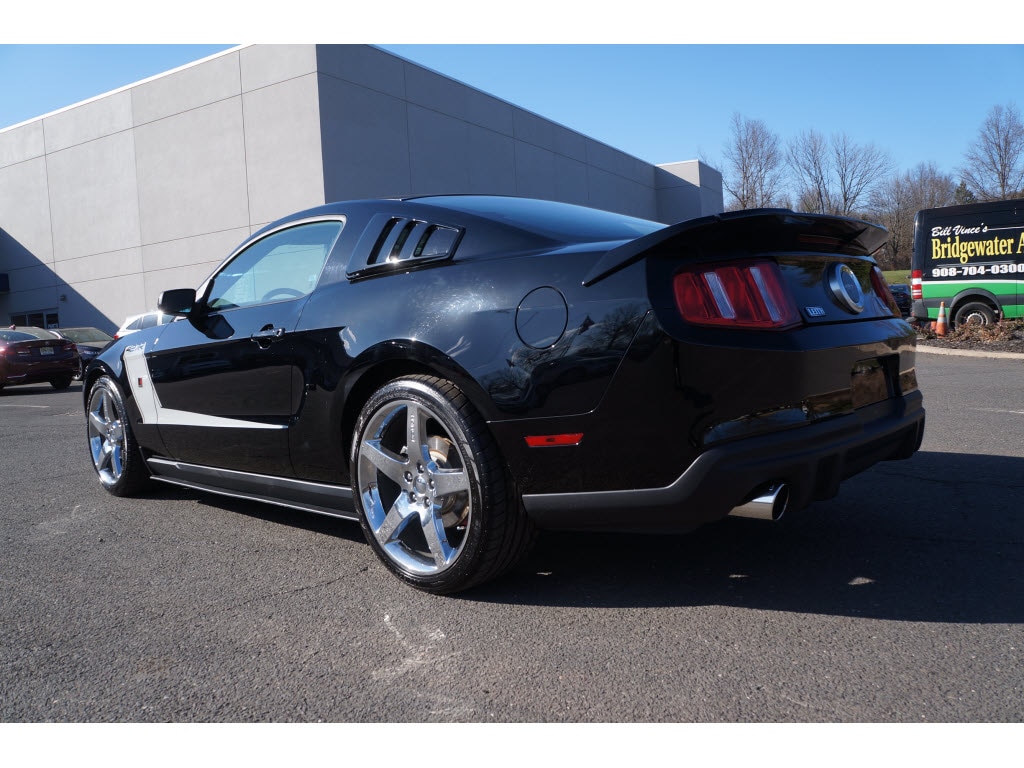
point(757, 230)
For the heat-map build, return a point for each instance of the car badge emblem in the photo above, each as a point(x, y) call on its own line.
point(815, 311)
point(846, 288)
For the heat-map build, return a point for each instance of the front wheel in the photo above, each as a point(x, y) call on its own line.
point(433, 494)
point(974, 313)
point(115, 454)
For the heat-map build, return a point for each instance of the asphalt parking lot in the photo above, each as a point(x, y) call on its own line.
point(901, 600)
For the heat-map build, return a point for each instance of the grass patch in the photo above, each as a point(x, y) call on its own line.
point(897, 276)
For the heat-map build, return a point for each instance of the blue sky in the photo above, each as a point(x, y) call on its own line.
point(662, 103)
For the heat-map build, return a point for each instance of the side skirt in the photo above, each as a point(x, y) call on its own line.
point(332, 500)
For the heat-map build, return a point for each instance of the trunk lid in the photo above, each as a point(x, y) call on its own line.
point(824, 263)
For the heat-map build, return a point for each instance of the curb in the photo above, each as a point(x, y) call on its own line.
point(969, 352)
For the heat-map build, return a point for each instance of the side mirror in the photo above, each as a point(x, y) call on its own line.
point(179, 301)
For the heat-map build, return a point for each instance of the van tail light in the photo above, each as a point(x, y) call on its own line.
point(748, 294)
point(915, 284)
point(883, 291)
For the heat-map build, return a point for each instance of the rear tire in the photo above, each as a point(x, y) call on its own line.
point(974, 313)
point(433, 495)
point(60, 382)
point(115, 453)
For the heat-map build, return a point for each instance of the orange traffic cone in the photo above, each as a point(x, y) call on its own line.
point(940, 324)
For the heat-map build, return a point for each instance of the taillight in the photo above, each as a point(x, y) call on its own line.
point(915, 284)
point(883, 291)
point(748, 294)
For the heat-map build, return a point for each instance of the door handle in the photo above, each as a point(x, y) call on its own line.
point(267, 334)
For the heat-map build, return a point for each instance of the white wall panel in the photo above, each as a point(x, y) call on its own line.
point(94, 197)
point(25, 215)
point(190, 88)
point(192, 174)
point(283, 157)
point(86, 122)
point(22, 143)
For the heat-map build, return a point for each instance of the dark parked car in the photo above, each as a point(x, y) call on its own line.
point(90, 342)
point(901, 292)
point(457, 372)
point(30, 355)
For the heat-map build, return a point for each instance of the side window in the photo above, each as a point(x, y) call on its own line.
point(283, 265)
point(438, 242)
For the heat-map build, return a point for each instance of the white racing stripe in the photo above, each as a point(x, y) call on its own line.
point(154, 413)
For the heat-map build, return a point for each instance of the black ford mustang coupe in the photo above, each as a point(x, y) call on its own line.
point(458, 372)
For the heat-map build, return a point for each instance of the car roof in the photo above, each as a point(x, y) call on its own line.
point(548, 219)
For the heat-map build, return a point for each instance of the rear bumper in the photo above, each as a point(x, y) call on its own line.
point(39, 373)
point(813, 460)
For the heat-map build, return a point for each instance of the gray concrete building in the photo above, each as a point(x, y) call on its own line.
point(106, 203)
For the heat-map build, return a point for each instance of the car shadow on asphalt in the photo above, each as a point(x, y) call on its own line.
point(306, 521)
point(937, 538)
point(25, 390)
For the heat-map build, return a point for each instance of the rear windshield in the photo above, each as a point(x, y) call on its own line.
point(25, 334)
point(558, 221)
point(83, 335)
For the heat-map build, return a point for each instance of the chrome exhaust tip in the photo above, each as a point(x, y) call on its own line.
point(769, 504)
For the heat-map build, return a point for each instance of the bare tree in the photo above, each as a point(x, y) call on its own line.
point(858, 168)
point(893, 206)
point(754, 174)
point(994, 164)
point(931, 188)
point(896, 201)
point(835, 176)
point(808, 158)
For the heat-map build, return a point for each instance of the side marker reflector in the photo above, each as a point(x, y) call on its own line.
point(548, 441)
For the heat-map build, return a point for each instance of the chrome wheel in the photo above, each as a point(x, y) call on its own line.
point(414, 487)
point(107, 436)
point(431, 488)
point(115, 454)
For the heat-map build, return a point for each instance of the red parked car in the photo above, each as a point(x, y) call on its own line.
point(33, 355)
